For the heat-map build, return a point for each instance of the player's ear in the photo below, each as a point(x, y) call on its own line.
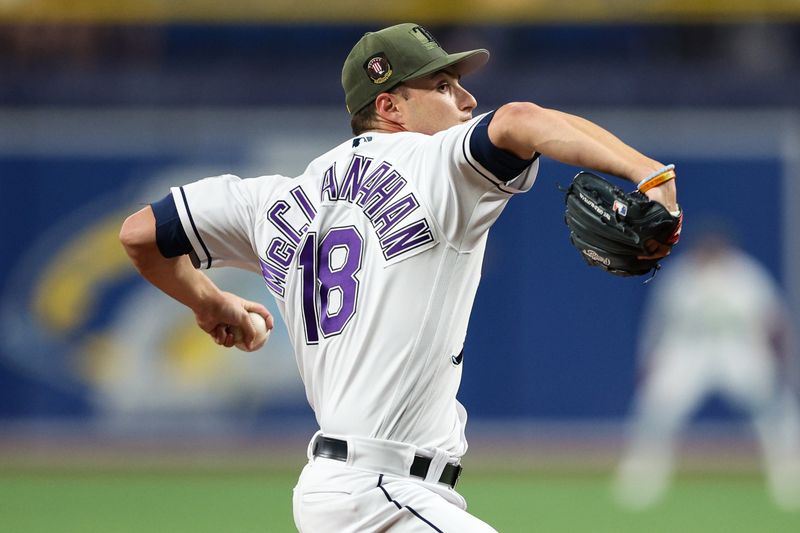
point(386, 107)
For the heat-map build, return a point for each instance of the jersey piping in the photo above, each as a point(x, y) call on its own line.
point(195, 237)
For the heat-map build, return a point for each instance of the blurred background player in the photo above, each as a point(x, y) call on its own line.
point(716, 323)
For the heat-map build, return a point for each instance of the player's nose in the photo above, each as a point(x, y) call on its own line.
point(467, 102)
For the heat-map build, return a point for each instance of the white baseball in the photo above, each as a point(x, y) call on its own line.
point(261, 332)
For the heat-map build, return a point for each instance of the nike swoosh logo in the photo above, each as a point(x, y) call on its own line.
point(456, 359)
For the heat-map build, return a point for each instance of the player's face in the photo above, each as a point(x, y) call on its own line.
point(435, 103)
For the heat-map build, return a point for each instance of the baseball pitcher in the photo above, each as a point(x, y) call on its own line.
point(374, 257)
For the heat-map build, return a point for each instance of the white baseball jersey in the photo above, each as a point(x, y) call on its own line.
point(374, 255)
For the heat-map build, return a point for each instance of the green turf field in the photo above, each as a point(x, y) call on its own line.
point(199, 501)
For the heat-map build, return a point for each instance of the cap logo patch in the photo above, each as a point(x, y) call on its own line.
point(424, 37)
point(378, 68)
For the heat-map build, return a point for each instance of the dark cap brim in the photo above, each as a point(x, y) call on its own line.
point(462, 62)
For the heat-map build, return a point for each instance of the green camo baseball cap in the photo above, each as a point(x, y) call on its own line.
point(383, 59)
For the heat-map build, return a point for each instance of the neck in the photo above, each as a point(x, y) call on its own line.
point(384, 125)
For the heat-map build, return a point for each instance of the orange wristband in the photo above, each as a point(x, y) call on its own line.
point(656, 180)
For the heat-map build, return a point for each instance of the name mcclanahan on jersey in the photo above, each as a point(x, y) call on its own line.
point(381, 194)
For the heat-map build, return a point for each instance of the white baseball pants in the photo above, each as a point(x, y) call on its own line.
point(372, 492)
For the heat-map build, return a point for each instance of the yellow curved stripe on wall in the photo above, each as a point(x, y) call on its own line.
point(68, 290)
point(192, 357)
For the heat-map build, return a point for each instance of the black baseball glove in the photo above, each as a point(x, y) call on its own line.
point(613, 229)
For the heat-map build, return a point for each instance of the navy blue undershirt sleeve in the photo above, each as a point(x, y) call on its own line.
point(170, 236)
point(504, 165)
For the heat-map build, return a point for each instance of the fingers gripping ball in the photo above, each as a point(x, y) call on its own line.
point(262, 333)
point(613, 229)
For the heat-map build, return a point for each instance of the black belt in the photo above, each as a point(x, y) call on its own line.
point(337, 449)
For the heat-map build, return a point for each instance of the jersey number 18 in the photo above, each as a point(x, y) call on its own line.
point(329, 282)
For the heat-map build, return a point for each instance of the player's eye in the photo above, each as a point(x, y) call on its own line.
point(443, 87)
